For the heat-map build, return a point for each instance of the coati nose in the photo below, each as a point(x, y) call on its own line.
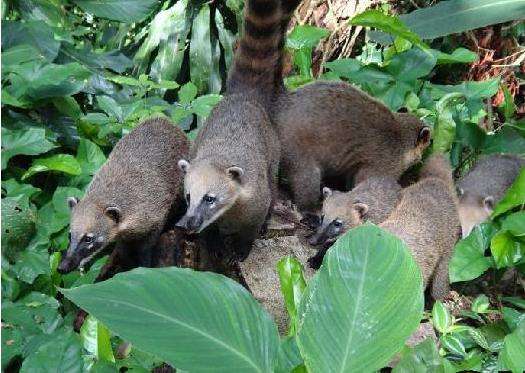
point(317, 239)
point(190, 223)
point(65, 266)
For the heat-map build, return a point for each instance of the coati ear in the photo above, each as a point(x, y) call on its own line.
point(488, 203)
point(361, 208)
point(184, 165)
point(235, 172)
point(72, 202)
point(423, 137)
point(113, 212)
point(327, 192)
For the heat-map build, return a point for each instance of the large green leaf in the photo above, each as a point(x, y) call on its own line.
point(196, 321)
point(43, 81)
point(13, 188)
point(412, 64)
point(515, 224)
point(61, 353)
point(292, 286)
point(113, 60)
point(506, 140)
point(90, 157)
point(119, 10)
point(305, 36)
point(60, 162)
point(34, 33)
point(30, 264)
point(29, 142)
point(168, 32)
point(513, 353)
point(362, 304)
point(468, 260)
point(506, 250)
point(18, 224)
point(515, 196)
point(386, 23)
point(19, 54)
point(201, 53)
point(289, 356)
point(33, 314)
point(455, 16)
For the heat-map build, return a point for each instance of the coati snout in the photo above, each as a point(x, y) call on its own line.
point(92, 230)
point(473, 210)
point(484, 186)
point(209, 192)
point(340, 214)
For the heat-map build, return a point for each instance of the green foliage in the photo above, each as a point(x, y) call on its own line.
point(503, 235)
point(292, 287)
point(366, 275)
point(455, 16)
point(487, 347)
point(220, 325)
point(78, 75)
point(117, 10)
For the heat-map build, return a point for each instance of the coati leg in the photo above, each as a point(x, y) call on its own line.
point(306, 189)
point(440, 282)
point(240, 244)
point(119, 261)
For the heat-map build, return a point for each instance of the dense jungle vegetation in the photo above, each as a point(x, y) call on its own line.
point(77, 75)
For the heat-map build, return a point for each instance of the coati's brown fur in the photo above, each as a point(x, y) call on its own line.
point(371, 200)
point(231, 176)
point(332, 129)
point(426, 219)
point(129, 200)
point(483, 186)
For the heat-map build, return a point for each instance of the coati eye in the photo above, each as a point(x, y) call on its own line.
point(209, 199)
point(88, 239)
point(188, 198)
point(338, 223)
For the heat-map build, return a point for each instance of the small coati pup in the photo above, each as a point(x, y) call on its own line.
point(231, 175)
point(371, 200)
point(129, 200)
point(426, 219)
point(334, 130)
point(483, 186)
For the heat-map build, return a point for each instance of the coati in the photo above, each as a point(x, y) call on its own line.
point(371, 200)
point(483, 186)
point(426, 219)
point(129, 200)
point(231, 175)
point(334, 130)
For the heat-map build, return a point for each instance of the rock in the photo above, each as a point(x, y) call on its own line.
point(260, 274)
